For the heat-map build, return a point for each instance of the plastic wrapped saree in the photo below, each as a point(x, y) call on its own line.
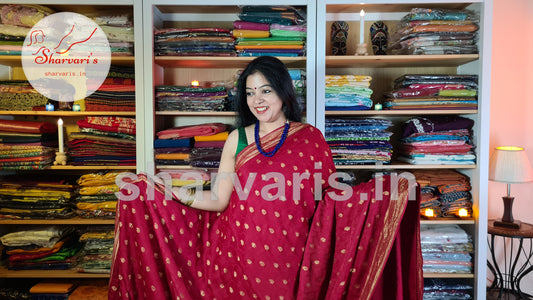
point(276, 239)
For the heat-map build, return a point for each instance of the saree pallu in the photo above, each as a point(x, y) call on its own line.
point(278, 242)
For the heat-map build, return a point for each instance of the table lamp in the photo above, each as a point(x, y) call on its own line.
point(509, 165)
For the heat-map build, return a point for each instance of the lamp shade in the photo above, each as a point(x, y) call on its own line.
point(510, 165)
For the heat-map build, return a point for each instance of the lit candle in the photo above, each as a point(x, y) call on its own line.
point(195, 83)
point(362, 27)
point(463, 213)
point(60, 134)
point(428, 212)
point(49, 107)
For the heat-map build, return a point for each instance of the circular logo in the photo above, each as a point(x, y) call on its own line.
point(66, 56)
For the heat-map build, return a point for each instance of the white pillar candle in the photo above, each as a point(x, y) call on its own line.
point(362, 27)
point(60, 134)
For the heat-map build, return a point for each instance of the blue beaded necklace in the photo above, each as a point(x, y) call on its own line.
point(258, 142)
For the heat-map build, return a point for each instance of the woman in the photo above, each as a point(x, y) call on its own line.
point(280, 226)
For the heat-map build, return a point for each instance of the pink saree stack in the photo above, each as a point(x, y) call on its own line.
point(290, 232)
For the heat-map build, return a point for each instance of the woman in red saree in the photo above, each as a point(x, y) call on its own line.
point(288, 229)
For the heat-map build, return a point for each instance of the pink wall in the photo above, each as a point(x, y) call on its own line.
point(511, 110)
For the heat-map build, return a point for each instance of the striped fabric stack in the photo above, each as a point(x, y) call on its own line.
point(437, 140)
point(272, 31)
point(176, 146)
point(27, 145)
point(359, 141)
point(96, 196)
point(184, 98)
point(104, 140)
point(433, 91)
point(348, 92)
point(436, 31)
point(117, 92)
point(194, 42)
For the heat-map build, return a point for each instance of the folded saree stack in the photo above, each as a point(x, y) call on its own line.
point(208, 149)
point(188, 98)
point(103, 140)
point(175, 146)
point(97, 250)
point(95, 196)
point(447, 289)
point(438, 140)
point(32, 197)
point(348, 92)
point(446, 248)
point(116, 93)
point(436, 31)
point(119, 32)
point(44, 248)
point(444, 191)
point(27, 145)
point(433, 91)
point(270, 30)
point(19, 95)
point(359, 141)
point(209, 41)
point(16, 20)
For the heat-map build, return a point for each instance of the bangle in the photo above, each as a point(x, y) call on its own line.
point(191, 195)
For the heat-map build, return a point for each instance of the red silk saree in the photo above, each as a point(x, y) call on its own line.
point(289, 232)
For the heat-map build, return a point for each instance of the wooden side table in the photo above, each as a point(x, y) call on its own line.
point(518, 258)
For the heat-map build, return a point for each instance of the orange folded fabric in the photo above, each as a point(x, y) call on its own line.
point(212, 138)
point(177, 156)
point(52, 288)
point(89, 292)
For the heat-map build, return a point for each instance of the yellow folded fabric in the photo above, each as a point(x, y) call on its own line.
point(98, 190)
point(176, 156)
point(222, 136)
point(246, 33)
point(107, 206)
point(180, 182)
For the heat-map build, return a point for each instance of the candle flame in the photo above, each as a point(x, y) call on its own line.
point(362, 13)
point(60, 121)
point(463, 212)
point(195, 83)
point(428, 212)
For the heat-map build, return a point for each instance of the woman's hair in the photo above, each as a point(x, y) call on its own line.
point(277, 75)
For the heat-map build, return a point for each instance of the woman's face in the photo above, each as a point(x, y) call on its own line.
point(262, 100)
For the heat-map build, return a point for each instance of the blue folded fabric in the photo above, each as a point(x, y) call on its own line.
point(159, 143)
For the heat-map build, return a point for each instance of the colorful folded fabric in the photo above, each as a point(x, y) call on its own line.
point(27, 126)
point(189, 131)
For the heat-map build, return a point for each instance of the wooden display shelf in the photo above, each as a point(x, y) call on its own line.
point(410, 112)
point(442, 221)
point(399, 165)
point(214, 62)
point(71, 221)
point(448, 275)
point(5, 273)
point(69, 167)
point(15, 60)
point(67, 113)
point(394, 61)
